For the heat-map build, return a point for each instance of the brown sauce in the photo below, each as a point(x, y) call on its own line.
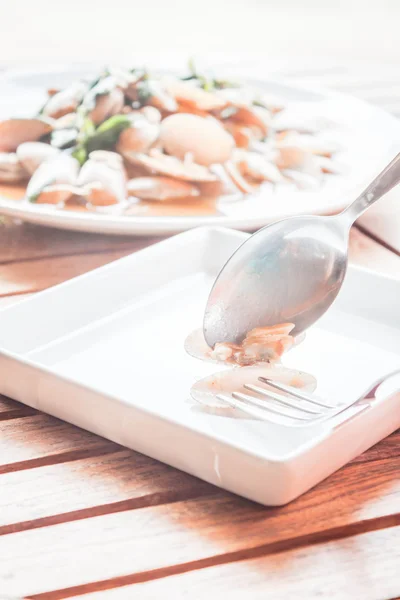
point(190, 207)
point(12, 191)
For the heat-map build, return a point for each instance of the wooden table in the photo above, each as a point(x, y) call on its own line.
point(81, 517)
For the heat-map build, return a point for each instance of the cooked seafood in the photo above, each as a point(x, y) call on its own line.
point(165, 138)
point(261, 345)
point(205, 391)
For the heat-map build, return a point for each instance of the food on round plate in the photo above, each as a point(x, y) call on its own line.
point(132, 139)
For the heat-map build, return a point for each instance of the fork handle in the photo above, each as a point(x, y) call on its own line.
point(383, 183)
point(364, 402)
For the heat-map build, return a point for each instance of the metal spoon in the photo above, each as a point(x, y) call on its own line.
point(288, 272)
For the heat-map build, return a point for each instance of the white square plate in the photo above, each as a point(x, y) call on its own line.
point(105, 351)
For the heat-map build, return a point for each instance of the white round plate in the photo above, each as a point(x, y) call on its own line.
point(368, 136)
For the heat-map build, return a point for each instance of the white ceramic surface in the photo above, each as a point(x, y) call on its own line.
point(105, 351)
point(369, 138)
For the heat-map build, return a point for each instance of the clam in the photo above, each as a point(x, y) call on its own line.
point(60, 169)
point(11, 170)
point(256, 166)
point(291, 157)
point(310, 143)
point(151, 92)
point(104, 100)
point(294, 158)
point(170, 166)
point(253, 116)
point(103, 177)
point(206, 140)
point(206, 390)
point(66, 101)
point(193, 96)
point(107, 106)
point(14, 132)
point(263, 344)
point(240, 133)
point(32, 154)
point(58, 193)
point(235, 175)
point(140, 136)
point(151, 113)
point(162, 189)
point(66, 122)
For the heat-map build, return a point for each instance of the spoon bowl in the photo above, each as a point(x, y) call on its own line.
point(288, 272)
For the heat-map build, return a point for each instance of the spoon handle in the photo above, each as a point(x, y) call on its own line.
point(385, 181)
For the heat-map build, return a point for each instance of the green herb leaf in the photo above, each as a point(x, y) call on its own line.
point(106, 135)
point(80, 153)
point(144, 92)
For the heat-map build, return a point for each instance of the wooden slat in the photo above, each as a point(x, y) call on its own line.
point(51, 492)
point(41, 439)
point(23, 241)
point(362, 566)
point(365, 252)
point(387, 448)
point(88, 487)
point(158, 541)
point(30, 276)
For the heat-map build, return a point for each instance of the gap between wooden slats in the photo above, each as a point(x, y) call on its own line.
point(362, 566)
point(153, 542)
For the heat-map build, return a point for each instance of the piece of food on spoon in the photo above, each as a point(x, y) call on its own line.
point(261, 345)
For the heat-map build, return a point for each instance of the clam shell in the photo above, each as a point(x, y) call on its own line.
point(104, 177)
point(65, 101)
point(14, 132)
point(58, 193)
point(140, 137)
point(107, 105)
point(195, 344)
point(11, 170)
point(62, 168)
point(205, 391)
point(193, 96)
point(258, 167)
point(162, 189)
point(170, 166)
point(32, 154)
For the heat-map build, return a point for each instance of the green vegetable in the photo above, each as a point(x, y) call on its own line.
point(106, 135)
point(80, 153)
point(207, 82)
point(144, 92)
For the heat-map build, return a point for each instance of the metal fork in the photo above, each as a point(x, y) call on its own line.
point(293, 407)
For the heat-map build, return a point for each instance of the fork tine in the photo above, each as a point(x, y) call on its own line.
point(254, 412)
point(281, 399)
point(248, 401)
point(297, 393)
